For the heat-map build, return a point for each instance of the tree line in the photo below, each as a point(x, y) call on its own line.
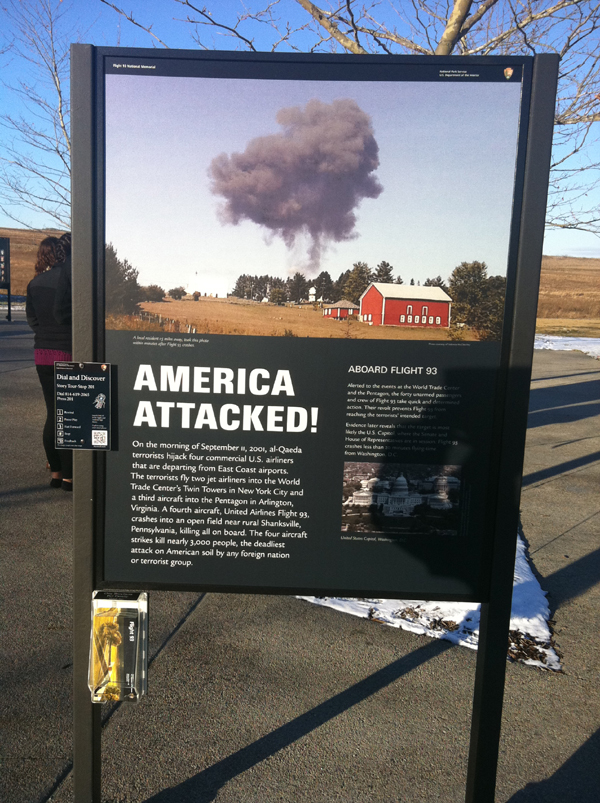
point(124, 293)
point(477, 299)
point(349, 285)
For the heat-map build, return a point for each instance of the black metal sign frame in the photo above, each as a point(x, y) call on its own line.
point(446, 559)
point(512, 388)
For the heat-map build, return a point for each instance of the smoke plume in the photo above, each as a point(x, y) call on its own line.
point(307, 179)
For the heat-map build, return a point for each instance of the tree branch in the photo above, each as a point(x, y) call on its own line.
point(133, 21)
point(324, 19)
point(35, 163)
point(476, 17)
point(452, 33)
point(567, 27)
point(207, 19)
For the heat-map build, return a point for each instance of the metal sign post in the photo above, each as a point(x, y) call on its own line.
point(86, 715)
point(272, 428)
point(495, 615)
point(5, 270)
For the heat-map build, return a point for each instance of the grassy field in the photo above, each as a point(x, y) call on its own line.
point(23, 249)
point(569, 302)
point(234, 316)
point(568, 327)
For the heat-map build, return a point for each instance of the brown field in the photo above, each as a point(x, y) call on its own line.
point(234, 316)
point(568, 327)
point(569, 301)
point(23, 249)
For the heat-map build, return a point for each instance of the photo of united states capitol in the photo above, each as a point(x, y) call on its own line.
point(401, 498)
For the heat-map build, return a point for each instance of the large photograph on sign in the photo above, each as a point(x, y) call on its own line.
point(328, 209)
point(305, 288)
point(399, 499)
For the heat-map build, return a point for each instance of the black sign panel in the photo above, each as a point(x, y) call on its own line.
point(313, 379)
point(83, 405)
point(5, 263)
point(313, 406)
point(307, 466)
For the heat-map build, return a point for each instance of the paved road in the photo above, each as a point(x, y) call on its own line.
point(16, 341)
point(256, 698)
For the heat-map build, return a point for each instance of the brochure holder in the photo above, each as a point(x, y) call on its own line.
point(118, 668)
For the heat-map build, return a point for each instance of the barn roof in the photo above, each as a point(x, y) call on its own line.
point(411, 292)
point(342, 304)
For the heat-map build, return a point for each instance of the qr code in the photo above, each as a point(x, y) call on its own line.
point(99, 437)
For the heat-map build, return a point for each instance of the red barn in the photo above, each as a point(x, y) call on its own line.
point(341, 309)
point(405, 305)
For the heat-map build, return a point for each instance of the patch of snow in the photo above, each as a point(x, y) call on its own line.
point(458, 622)
point(589, 345)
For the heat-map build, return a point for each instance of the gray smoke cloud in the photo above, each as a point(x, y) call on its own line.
point(307, 179)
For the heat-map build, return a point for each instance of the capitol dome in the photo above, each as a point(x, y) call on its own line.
point(400, 487)
point(441, 485)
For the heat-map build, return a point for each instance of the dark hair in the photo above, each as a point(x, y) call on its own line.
point(49, 254)
point(65, 239)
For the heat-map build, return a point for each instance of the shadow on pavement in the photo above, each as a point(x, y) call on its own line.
point(563, 376)
point(560, 468)
point(573, 581)
point(204, 786)
point(33, 489)
point(560, 395)
point(575, 440)
point(30, 497)
point(577, 779)
point(15, 329)
point(564, 403)
point(563, 413)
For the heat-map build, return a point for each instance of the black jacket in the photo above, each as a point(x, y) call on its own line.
point(62, 300)
point(41, 295)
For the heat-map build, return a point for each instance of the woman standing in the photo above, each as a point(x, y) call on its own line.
point(52, 342)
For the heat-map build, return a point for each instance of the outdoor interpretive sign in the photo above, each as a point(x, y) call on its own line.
point(315, 277)
point(82, 394)
point(308, 296)
point(4, 263)
point(5, 271)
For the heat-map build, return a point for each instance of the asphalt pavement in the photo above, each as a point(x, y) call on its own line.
point(258, 698)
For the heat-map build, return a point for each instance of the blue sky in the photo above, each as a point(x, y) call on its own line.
point(446, 151)
point(100, 25)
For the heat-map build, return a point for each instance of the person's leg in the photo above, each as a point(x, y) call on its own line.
point(46, 377)
point(66, 462)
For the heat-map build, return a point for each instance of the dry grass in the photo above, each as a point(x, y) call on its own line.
point(132, 323)
point(23, 250)
point(569, 303)
point(236, 317)
point(569, 300)
point(568, 327)
point(569, 288)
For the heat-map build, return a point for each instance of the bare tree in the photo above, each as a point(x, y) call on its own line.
point(35, 162)
point(439, 27)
